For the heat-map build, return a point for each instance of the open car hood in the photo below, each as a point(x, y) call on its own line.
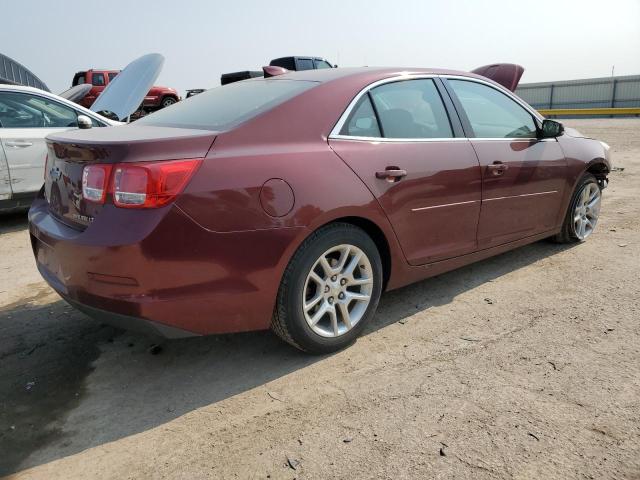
point(506, 74)
point(127, 90)
point(77, 93)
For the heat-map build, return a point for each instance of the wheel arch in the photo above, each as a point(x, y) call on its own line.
point(386, 245)
point(599, 168)
point(379, 238)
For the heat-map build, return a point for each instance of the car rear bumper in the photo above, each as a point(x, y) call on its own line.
point(160, 272)
point(127, 322)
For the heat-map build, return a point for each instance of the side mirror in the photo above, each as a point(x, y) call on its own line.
point(551, 129)
point(84, 122)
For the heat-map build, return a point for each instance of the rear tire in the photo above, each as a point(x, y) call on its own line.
point(583, 212)
point(330, 290)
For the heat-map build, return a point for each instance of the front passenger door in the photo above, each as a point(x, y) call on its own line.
point(26, 120)
point(523, 177)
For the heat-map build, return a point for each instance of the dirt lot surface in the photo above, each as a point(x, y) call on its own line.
point(526, 365)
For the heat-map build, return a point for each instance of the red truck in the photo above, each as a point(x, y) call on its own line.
point(158, 97)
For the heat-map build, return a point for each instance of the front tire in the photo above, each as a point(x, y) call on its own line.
point(584, 210)
point(167, 102)
point(330, 290)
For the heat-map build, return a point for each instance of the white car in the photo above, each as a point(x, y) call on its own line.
point(27, 116)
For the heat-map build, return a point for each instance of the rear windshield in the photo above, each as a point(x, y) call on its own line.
point(223, 108)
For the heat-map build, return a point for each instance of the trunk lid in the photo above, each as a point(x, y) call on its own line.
point(506, 74)
point(69, 152)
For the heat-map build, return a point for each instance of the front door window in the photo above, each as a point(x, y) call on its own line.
point(491, 113)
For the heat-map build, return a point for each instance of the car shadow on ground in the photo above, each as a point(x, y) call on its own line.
point(13, 221)
point(69, 383)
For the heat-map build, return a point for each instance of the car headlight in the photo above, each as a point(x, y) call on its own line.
point(605, 146)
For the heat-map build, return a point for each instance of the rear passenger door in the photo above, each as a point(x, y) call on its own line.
point(523, 176)
point(399, 138)
point(5, 177)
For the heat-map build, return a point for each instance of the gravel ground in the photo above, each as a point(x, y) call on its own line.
point(526, 365)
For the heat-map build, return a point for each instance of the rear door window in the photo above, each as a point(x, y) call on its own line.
point(491, 113)
point(285, 62)
point(363, 121)
point(411, 109)
point(304, 64)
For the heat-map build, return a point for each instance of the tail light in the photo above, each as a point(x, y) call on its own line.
point(138, 185)
point(95, 179)
point(151, 185)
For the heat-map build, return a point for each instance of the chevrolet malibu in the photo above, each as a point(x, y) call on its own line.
point(294, 201)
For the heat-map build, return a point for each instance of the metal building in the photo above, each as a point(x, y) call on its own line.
point(12, 72)
point(604, 92)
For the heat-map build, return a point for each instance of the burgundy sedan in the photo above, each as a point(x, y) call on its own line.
point(292, 202)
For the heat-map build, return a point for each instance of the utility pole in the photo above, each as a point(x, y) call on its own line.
point(613, 69)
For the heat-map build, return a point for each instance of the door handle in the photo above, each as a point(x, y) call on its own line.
point(18, 144)
point(391, 174)
point(497, 168)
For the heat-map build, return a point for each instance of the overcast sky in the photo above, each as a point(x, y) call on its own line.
point(200, 39)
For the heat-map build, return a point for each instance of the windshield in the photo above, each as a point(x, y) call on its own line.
point(223, 108)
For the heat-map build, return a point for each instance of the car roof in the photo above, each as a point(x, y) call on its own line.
point(23, 88)
point(329, 74)
point(299, 56)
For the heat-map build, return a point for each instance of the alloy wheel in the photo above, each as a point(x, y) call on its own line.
point(585, 215)
point(337, 290)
